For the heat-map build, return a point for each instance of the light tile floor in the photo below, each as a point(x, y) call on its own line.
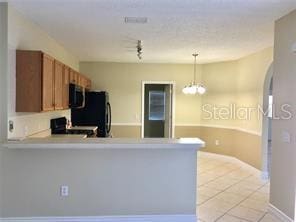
point(229, 193)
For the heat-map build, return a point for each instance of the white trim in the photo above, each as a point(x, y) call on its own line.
point(231, 159)
point(128, 218)
point(187, 124)
point(173, 83)
point(253, 132)
point(266, 121)
point(278, 213)
point(126, 124)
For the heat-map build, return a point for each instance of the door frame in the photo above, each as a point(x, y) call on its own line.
point(265, 124)
point(173, 83)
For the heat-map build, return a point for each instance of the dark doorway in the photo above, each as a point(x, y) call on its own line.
point(158, 110)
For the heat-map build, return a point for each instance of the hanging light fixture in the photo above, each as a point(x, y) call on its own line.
point(193, 87)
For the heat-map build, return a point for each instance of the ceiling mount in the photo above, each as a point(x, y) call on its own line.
point(136, 20)
point(139, 49)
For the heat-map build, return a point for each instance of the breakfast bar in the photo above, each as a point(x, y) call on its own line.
point(138, 179)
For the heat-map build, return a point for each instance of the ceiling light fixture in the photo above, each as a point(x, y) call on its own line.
point(193, 87)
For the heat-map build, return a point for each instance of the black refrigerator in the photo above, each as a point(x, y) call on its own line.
point(96, 112)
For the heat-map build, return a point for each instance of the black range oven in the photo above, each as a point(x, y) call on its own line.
point(58, 126)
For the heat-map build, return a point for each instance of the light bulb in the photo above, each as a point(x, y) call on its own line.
point(201, 89)
point(185, 90)
point(192, 89)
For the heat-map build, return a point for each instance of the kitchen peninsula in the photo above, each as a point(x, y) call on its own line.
point(137, 178)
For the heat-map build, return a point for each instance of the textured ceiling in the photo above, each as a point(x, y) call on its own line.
point(220, 30)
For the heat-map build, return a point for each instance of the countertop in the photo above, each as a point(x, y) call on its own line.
point(105, 143)
point(67, 136)
point(91, 128)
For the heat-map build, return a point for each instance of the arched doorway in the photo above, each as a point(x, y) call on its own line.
point(266, 148)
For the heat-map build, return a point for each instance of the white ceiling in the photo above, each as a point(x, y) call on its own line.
point(220, 30)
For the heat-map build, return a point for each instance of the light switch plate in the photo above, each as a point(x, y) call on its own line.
point(64, 191)
point(294, 48)
point(11, 127)
point(286, 137)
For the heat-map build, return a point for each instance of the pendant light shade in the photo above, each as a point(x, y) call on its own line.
point(194, 88)
point(201, 89)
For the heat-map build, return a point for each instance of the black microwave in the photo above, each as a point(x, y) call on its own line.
point(76, 96)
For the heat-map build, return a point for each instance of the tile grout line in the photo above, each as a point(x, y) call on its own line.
point(218, 178)
point(222, 191)
point(220, 175)
point(262, 217)
point(225, 190)
point(241, 202)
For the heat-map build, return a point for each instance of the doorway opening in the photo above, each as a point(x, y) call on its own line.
point(157, 109)
point(267, 124)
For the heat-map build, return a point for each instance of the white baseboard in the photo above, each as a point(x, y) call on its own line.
point(232, 159)
point(128, 218)
point(278, 213)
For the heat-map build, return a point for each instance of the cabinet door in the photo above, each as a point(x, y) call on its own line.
point(74, 77)
point(66, 78)
point(58, 85)
point(88, 84)
point(82, 81)
point(47, 83)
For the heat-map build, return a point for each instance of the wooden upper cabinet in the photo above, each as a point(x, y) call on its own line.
point(42, 83)
point(74, 76)
point(47, 83)
point(79, 79)
point(88, 84)
point(66, 78)
point(58, 85)
point(34, 81)
point(28, 81)
point(82, 81)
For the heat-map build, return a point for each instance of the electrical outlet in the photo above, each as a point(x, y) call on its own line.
point(64, 191)
point(217, 142)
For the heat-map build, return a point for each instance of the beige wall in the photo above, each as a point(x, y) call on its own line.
point(123, 81)
point(250, 84)
point(242, 145)
point(126, 131)
point(220, 80)
point(23, 34)
point(284, 82)
point(3, 92)
point(238, 82)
